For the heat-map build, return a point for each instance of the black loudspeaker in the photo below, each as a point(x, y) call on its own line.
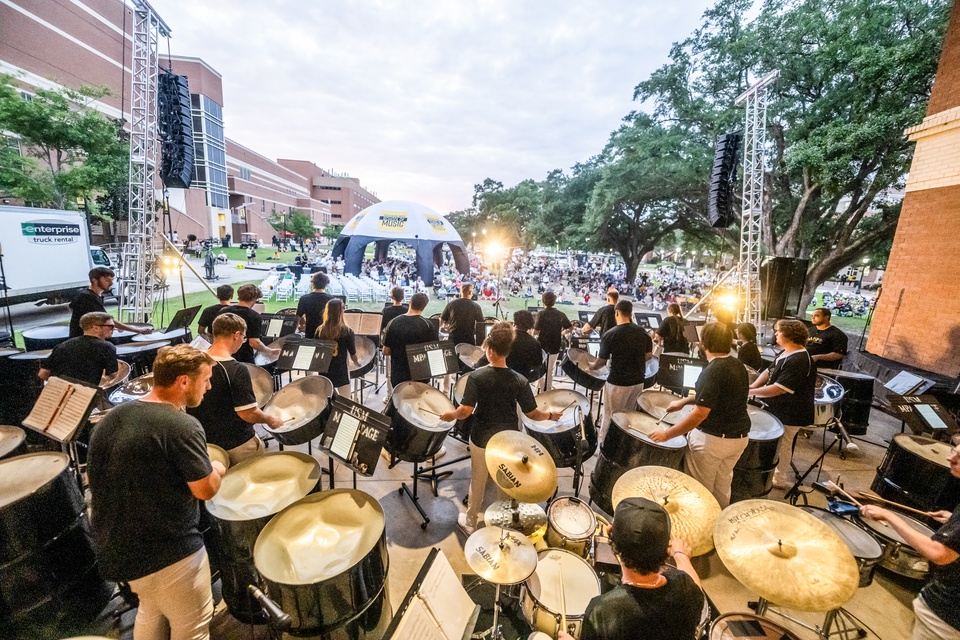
point(725, 162)
point(175, 122)
point(781, 281)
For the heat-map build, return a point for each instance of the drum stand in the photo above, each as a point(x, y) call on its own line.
point(425, 473)
point(836, 622)
point(794, 493)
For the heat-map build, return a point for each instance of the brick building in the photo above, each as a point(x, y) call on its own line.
point(917, 321)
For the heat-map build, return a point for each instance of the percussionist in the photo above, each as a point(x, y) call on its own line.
point(90, 300)
point(827, 344)
point(550, 326)
point(88, 356)
point(247, 296)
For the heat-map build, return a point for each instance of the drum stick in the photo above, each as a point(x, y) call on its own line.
point(835, 487)
point(568, 406)
point(563, 603)
point(290, 419)
point(869, 495)
point(420, 406)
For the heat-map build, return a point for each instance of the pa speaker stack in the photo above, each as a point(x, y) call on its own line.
point(725, 161)
point(176, 130)
point(781, 281)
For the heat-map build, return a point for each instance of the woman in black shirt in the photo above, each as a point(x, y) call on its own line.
point(670, 333)
point(748, 353)
point(335, 330)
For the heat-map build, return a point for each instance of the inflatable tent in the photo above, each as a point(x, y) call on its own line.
point(400, 221)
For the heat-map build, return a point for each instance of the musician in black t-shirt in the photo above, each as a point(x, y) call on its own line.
point(788, 388)
point(827, 344)
point(90, 300)
point(205, 323)
point(550, 326)
point(310, 307)
point(391, 311)
point(334, 330)
point(670, 333)
point(605, 317)
point(492, 395)
point(747, 352)
point(410, 328)
point(86, 357)
point(526, 354)
point(718, 426)
point(247, 296)
point(460, 317)
point(628, 348)
point(936, 610)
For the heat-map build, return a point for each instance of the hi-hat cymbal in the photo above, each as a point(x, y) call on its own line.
point(531, 519)
point(521, 467)
point(692, 508)
point(500, 556)
point(786, 555)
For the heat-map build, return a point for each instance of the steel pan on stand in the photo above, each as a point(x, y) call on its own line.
point(469, 355)
point(303, 405)
point(754, 471)
point(12, 409)
point(563, 439)
point(25, 366)
point(915, 472)
point(45, 337)
point(132, 390)
point(177, 336)
point(262, 383)
point(367, 355)
point(324, 561)
point(577, 364)
point(12, 441)
point(416, 432)
point(140, 355)
point(826, 401)
point(857, 399)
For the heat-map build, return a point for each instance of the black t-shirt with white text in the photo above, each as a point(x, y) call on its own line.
point(796, 373)
point(231, 390)
point(495, 392)
point(402, 331)
point(830, 340)
point(550, 324)
point(626, 346)
point(723, 387)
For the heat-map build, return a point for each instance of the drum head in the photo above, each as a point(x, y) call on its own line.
point(300, 402)
point(469, 354)
point(123, 372)
point(763, 424)
point(572, 518)
point(885, 532)
point(264, 485)
point(655, 404)
point(319, 537)
point(555, 401)
point(926, 448)
point(584, 361)
point(23, 475)
point(861, 543)
point(638, 425)
point(10, 438)
point(580, 581)
point(418, 403)
point(828, 390)
point(133, 390)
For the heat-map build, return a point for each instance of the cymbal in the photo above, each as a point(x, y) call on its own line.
point(786, 555)
point(692, 508)
point(532, 519)
point(500, 556)
point(521, 467)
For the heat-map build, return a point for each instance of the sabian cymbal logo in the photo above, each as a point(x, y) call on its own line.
point(506, 478)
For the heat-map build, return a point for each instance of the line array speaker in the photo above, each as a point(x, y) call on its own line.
point(176, 130)
point(781, 281)
point(725, 161)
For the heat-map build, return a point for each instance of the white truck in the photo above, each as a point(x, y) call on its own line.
point(46, 255)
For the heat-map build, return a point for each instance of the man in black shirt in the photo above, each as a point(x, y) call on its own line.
point(247, 296)
point(310, 307)
point(229, 409)
point(653, 600)
point(550, 327)
point(410, 328)
point(604, 319)
point(148, 467)
point(628, 348)
point(492, 394)
point(827, 344)
point(86, 357)
point(461, 316)
point(90, 300)
point(397, 308)
point(718, 426)
point(937, 614)
point(205, 323)
point(526, 354)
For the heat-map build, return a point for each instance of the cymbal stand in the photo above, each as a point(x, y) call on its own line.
point(580, 438)
point(494, 631)
point(836, 622)
point(794, 493)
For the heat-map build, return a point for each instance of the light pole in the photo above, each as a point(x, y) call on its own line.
point(283, 241)
point(473, 243)
point(863, 270)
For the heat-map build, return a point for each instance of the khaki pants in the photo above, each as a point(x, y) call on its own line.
point(478, 485)
point(551, 368)
point(929, 626)
point(250, 449)
point(617, 398)
point(710, 461)
point(176, 601)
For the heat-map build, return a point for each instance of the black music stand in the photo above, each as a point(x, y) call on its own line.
point(276, 325)
point(182, 319)
point(354, 434)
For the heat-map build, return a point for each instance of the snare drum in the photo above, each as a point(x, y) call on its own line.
point(827, 397)
point(561, 438)
point(571, 525)
point(736, 626)
point(898, 556)
point(540, 595)
point(865, 549)
point(416, 432)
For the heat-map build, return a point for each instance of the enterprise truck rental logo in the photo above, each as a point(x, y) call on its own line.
point(50, 232)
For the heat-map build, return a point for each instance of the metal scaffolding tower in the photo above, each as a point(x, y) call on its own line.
point(140, 252)
point(754, 100)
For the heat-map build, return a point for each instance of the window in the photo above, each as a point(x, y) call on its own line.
point(336, 215)
point(244, 173)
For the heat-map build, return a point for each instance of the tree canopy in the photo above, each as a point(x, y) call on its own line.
point(294, 222)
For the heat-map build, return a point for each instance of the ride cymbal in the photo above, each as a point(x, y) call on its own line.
point(528, 519)
point(500, 556)
point(786, 555)
point(521, 467)
point(692, 508)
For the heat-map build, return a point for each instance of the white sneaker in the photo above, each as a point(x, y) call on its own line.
point(464, 527)
point(442, 451)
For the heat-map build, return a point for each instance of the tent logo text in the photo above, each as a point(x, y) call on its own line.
point(392, 221)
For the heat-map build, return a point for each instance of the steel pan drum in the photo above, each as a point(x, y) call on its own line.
point(561, 438)
point(140, 355)
point(251, 494)
point(48, 572)
point(262, 383)
point(651, 369)
point(416, 434)
point(898, 556)
point(133, 390)
point(324, 560)
point(268, 362)
point(366, 354)
point(122, 336)
point(754, 471)
point(626, 447)
point(469, 355)
point(463, 427)
point(108, 382)
point(215, 452)
point(19, 386)
point(175, 337)
point(655, 403)
point(45, 337)
point(857, 400)
point(827, 396)
point(865, 549)
point(915, 472)
point(12, 441)
point(577, 363)
point(303, 405)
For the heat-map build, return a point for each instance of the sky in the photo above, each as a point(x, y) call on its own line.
point(422, 100)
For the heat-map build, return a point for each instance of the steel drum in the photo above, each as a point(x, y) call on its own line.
point(898, 556)
point(562, 438)
point(122, 336)
point(366, 354)
point(303, 405)
point(571, 525)
point(651, 369)
point(218, 453)
point(754, 471)
point(108, 382)
point(252, 492)
point(268, 362)
point(262, 383)
point(40, 354)
point(543, 600)
point(463, 427)
point(48, 569)
point(827, 397)
point(324, 560)
point(19, 386)
point(576, 364)
point(470, 355)
point(865, 549)
point(140, 355)
point(12, 441)
point(45, 337)
point(654, 403)
point(416, 432)
point(915, 472)
point(857, 401)
point(626, 447)
point(132, 390)
point(176, 336)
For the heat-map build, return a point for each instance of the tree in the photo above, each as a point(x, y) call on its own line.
point(69, 149)
point(293, 222)
point(854, 75)
point(332, 231)
point(506, 213)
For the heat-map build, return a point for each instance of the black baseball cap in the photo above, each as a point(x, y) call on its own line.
point(640, 526)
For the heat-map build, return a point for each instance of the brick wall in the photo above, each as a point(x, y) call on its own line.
point(946, 87)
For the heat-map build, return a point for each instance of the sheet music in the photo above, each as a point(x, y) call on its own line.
point(273, 329)
point(370, 324)
point(438, 365)
point(690, 375)
point(446, 596)
point(930, 416)
point(353, 321)
point(60, 408)
point(346, 433)
point(593, 348)
point(417, 623)
point(304, 358)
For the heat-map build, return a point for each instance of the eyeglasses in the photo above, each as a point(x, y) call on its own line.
point(112, 326)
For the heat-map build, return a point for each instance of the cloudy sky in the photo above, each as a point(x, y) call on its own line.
point(422, 100)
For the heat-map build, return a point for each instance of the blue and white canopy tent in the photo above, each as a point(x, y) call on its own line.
point(413, 224)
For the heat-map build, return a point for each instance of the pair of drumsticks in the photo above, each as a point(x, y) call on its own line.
point(869, 495)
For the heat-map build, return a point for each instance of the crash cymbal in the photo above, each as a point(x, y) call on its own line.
point(500, 556)
point(521, 467)
point(692, 508)
point(786, 555)
point(528, 519)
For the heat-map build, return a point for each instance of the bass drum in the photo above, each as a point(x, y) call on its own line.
point(754, 471)
point(915, 472)
point(562, 438)
point(416, 432)
point(627, 447)
point(324, 560)
point(542, 599)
